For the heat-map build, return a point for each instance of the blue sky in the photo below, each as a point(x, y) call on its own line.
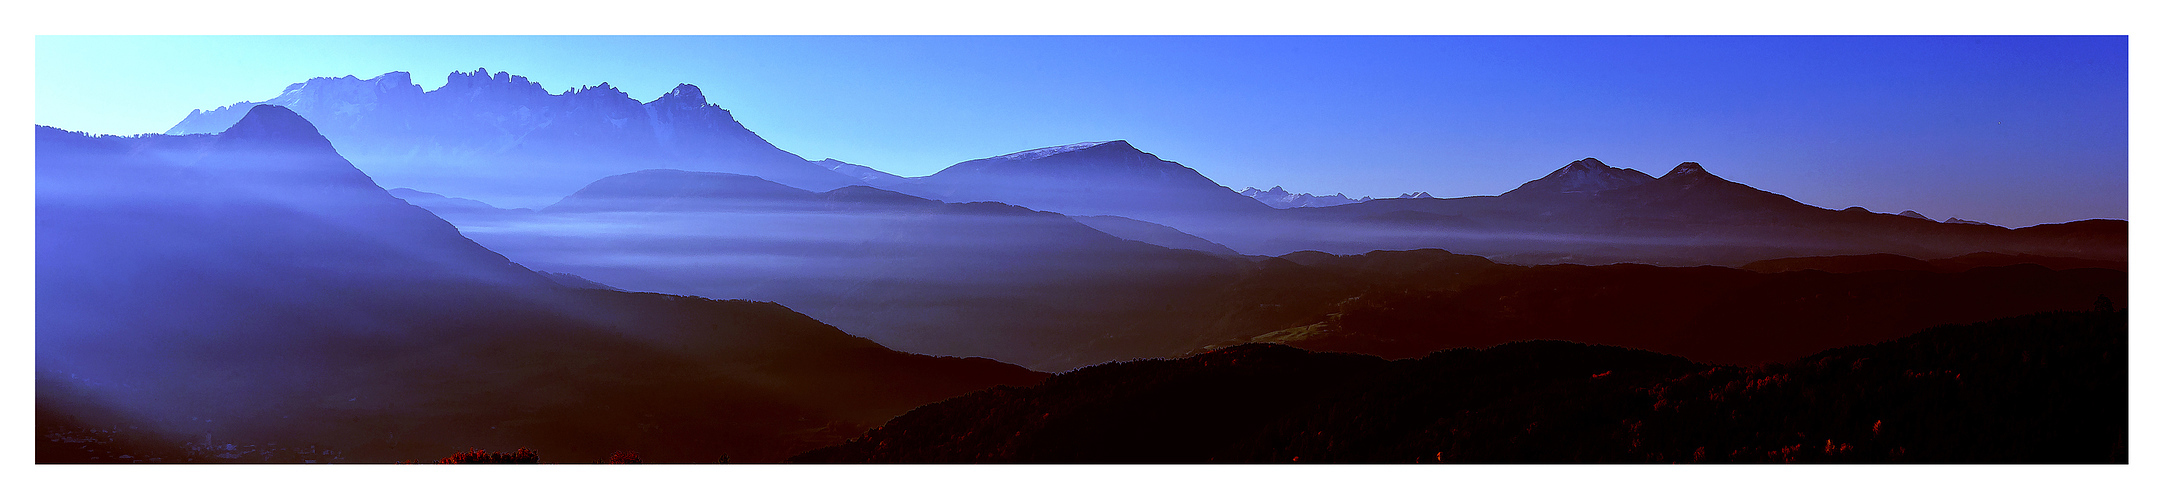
point(2009, 130)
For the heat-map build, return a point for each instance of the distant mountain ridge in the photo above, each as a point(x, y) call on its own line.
point(1151, 233)
point(1583, 212)
point(503, 139)
point(969, 279)
point(871, 176)
point(1588, 212)
point(1277, 197)
point(1088, 178)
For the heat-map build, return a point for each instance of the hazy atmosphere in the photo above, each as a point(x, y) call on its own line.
point(2012, 131)
point(1084, 250)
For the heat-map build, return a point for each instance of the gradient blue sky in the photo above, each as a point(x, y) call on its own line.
point(2010, 130)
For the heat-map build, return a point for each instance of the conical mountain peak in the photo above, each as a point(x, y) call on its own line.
point(1588, 175)
point(273, 123)
point(1687, 169)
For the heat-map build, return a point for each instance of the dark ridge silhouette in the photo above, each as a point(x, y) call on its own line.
point(1842, 264)
point(1586, 212)
point(1590, 213)
point(1155, 234)
point(1990, 259)
point(477, 456)
point(252, 297)
point(2041, 388)
point(505, 140)
point(1407, 304)
point(1890, 262)
point(993, 280)
point(1583, 177)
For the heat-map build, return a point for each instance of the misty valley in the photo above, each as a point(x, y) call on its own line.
point(367, 271)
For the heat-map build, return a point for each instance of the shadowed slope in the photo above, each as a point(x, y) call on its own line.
point(253, 288)
point(971, 279)
point(2044, 388)
point(1406, 304)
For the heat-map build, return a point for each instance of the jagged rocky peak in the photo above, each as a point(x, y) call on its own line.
point(482, 75)
point(394, 78)
point(1278, 197)
point(685, 94)
point(481, 80)
point(602, 90)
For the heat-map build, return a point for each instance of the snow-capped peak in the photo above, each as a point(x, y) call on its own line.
point(1044, 152)
point(1278, 197)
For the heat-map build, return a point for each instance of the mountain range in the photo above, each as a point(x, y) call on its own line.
point(505, 140)
point(960, 279)
point(922, 264)
point(245, 286)
point(1277, 197)
point(251, 287)
point(1587, 212)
